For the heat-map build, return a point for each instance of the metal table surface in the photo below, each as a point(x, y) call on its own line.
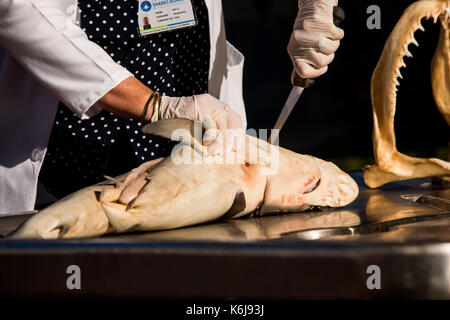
point(402, 228)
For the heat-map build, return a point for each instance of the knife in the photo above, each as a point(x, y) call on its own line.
point(298, 86)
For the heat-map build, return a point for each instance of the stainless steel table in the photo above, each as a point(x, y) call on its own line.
point(402, 228)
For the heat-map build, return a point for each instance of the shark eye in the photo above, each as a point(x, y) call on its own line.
point(314, 187)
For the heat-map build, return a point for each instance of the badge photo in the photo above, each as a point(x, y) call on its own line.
point(156, 16)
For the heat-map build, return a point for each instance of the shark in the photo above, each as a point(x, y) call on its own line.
point(169, 193)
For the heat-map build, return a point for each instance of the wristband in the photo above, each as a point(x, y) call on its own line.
point(156, 106)
point(144, 113)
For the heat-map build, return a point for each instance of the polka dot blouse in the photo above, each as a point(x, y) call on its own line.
point(175, 63)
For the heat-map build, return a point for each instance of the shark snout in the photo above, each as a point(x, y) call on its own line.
point(347, 189)
point(336, 188)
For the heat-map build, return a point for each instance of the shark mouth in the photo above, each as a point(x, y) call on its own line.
point(391, 165)
point(401, 42)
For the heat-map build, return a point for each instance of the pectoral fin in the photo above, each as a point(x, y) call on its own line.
point(182, 130)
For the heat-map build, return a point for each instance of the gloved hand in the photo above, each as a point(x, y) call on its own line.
point(222, 125)
point(315, 38)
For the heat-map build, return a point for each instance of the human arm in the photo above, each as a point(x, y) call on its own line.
point(41, 36)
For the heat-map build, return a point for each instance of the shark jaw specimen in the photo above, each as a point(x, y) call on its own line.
point(163, 194)
point(391, 165)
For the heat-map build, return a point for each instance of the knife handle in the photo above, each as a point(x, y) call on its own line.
point(338, 17)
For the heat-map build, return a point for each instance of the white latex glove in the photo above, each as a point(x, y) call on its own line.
point(223, 126)
point(315, 38)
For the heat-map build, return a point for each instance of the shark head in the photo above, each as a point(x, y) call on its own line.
point(304, 182)
point(335, 188)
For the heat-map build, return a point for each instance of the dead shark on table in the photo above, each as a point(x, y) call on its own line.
point(164, 194)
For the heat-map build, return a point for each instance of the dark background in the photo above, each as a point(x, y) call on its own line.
point(333, 119)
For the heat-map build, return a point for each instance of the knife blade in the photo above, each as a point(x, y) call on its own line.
point(289, 105)
point(299, 85)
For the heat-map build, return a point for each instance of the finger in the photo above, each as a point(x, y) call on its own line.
point(237, 139)
point(234, 121)
point(235, 130)
point(209, 136)
point(221, 123)
point(336, 33)
point(216, 148)
point(211, 131)
point(307, 71)
point(209, 124)
point(317, 59)
point(327, 46)
point(303, 40)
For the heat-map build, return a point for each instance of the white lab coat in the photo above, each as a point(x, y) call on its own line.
point(48, 59)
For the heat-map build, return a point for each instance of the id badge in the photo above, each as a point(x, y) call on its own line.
point(156, 16)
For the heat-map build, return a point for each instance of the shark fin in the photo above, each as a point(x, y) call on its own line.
point(182, 130)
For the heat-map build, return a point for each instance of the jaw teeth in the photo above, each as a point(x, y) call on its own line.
point(414, 41)
point(435, 17)
point(420, 26)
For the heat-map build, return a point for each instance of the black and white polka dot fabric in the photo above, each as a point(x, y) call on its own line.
point(175, 63)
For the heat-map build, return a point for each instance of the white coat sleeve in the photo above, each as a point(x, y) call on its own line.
point(42, 37)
